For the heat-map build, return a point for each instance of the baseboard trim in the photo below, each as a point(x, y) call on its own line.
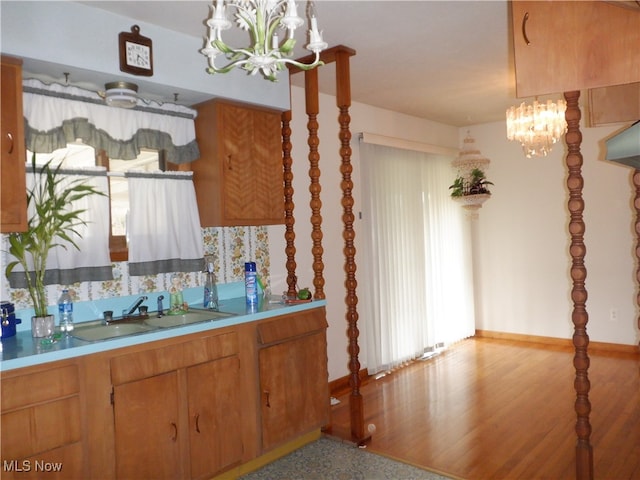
point(340, 386)
point(269, 457)
point(559, 342)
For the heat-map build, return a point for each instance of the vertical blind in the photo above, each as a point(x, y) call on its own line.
point(419, 292)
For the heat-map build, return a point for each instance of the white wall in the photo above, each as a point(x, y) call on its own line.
point(524, 283)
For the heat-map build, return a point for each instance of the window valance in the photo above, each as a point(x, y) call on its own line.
point(57, 114)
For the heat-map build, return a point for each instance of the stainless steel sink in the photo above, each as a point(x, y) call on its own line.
point(192, 316)
point(94, 333)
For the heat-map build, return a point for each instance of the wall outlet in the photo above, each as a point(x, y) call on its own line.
point(613, 315)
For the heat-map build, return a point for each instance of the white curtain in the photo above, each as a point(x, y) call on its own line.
point(419, 288)
point(163, 225)
point(65, 263)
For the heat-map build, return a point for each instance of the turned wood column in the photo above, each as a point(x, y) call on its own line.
point(636, 204)
point(289, 219)
point(343, 99)
point(580, 318)
point(313, 108)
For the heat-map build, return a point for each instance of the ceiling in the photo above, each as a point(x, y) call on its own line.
point(449, 61)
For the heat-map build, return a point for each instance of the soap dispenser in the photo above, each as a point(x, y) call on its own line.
point(210, 289)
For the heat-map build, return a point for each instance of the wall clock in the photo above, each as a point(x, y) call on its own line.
point(136, 53)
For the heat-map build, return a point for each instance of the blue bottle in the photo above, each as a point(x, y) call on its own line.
point(251, 283)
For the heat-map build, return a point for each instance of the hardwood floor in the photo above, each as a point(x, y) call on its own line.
point(500, 409)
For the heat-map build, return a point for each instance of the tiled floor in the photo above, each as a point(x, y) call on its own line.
point(331, 459)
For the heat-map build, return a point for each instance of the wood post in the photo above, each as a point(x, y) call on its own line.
point(313, 108)
point(636, 204)
point(289, 219)
point(580, 318)
point(343, 99)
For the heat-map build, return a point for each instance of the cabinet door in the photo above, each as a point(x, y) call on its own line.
point(239, 196)
point(252, 165)
point(214, 416)
point(239, 178)
point(564, 46)
point(41, 423)
point(13, 190)
point(294, 388)
point(146, 428)
point(268, 166)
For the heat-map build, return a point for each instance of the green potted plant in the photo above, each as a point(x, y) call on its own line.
point(478, 183)
point(457, 188)
point(475, 185)
point(51, 222)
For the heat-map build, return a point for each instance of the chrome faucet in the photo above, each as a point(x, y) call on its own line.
point(134, 306)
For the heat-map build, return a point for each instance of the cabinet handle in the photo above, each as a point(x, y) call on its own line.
point(10, 137)
point(229, 167)
point(175, 432)
point(266, 397)
point(198, 422)
point(525, 19)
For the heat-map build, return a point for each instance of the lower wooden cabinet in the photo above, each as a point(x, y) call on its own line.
point(294, 384)
point(181, 419)
point(194, 406)
point(215, 410)
point(41, 423)
point(146, 428)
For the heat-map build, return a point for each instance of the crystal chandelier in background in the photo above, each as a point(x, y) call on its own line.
point(264, 20)
point(537, 127)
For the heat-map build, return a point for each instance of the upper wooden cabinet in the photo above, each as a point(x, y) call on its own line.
point(239, 178)
point(615, 104)
point(565, 46)
point(13, 189)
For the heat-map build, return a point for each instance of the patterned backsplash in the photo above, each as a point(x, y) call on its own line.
point(229, 246)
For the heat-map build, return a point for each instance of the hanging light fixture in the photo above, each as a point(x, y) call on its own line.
point(267, 53)
point(121, 94)
point(537, 127)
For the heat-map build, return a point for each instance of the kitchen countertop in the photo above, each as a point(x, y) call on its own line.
point(22, 350)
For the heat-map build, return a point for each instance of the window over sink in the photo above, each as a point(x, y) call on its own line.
point(80, 155)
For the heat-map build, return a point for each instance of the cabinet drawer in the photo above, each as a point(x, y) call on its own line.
point(29, 431)
point(23, 390)
point(135, 366)
point(291, 326)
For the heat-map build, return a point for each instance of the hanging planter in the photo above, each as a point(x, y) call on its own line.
point(470, 188)
point(472, 202)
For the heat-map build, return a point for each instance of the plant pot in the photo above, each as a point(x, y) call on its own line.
point(42, 326)
point(472, 202)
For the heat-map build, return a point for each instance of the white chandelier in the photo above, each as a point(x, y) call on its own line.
point(262, 19)
point(537, 127)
